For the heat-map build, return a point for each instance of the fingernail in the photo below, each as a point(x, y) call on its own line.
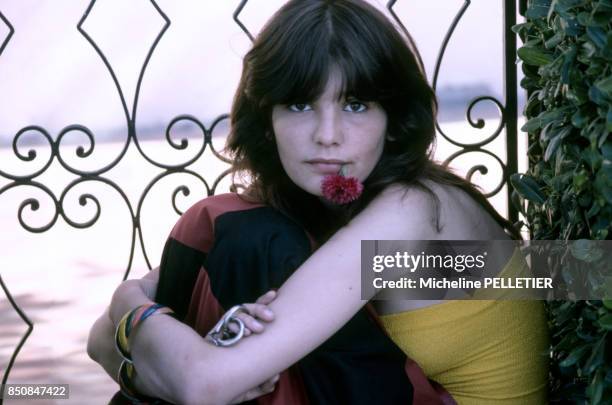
point(267, 312)
point(257, 324)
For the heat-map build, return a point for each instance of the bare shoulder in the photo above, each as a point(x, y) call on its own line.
point(400, 212)
point(462, 217)
point(446, 212)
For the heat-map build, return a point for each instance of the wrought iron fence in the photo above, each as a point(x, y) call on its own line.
point(507, 109)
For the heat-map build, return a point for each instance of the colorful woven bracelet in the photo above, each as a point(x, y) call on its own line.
point(126, 376)
point(130, 321)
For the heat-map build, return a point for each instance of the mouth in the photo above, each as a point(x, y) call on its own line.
point(326, 166)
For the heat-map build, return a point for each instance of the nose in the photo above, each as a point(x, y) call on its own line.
point(328, 131)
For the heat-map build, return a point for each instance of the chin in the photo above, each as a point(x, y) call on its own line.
point(313, 189)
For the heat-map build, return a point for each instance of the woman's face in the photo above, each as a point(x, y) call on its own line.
point(315, 140)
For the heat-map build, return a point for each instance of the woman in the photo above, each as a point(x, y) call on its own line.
point(331, 86)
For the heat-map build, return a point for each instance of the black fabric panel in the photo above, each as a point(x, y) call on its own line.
point(254, 251)
point(178, 272)
point(359, 364)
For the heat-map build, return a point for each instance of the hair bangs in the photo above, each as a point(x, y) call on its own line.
point(358, 80)
point(295, 66)
point(303, 78)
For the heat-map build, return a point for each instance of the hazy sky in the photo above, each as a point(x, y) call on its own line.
point(51, 76)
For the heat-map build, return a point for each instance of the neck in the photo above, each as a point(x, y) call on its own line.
point(330, 206)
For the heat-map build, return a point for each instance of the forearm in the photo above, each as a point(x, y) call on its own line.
point(164, 351)
point(101, 347)
point(161, 364)
point(101, 341)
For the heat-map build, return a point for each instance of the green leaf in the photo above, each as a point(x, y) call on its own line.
point(579, 118)
point(569, 57)
point(580, 179)
point(605, 86)
point(554, 40)
point(597, 36)
point(518, 28)
point(552, 146)
point(574, 356)
point(527, 188)
point(607, 304)
point(588, 50)
point(603, 138)
point(596, 96)
point(597, 356)
point(606, 150)
point(535, 56)
point(606, 322)
point(584, 18)
point(603, 184)
point(571, 27)
point(551, 130)
point(601, 18)
point(538, 9)
point(606, 52)
point(594, 210)
point(591, 157)
point(544, 119)
point(596, 388)
point(531, 125)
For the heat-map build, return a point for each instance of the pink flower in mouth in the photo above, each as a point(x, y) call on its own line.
point(339, 189)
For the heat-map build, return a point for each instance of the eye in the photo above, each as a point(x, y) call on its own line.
point(355, 106)
point(299, 107)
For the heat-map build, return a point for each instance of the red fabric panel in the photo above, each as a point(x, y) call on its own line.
point(204, 309)
point(196, 227)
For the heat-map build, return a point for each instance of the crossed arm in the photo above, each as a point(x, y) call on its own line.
point(175, 363)
point(132, 293)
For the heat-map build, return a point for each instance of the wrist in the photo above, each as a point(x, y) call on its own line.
point(131, 387)
point(126, 297)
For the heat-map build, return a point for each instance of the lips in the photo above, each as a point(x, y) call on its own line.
point(326, 166)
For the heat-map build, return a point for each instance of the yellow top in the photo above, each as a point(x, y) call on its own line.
point(482, 352)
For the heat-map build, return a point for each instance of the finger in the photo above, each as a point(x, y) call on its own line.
point(264, 388)
point(252, 394)
point(270, 384)
point(234, 328)
point(266, 298)
point(250, 323)
point(273, 380)
point(260, 311)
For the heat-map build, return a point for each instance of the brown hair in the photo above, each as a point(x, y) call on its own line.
point(290, 62)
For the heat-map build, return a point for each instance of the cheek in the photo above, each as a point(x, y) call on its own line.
point(282, 137)
point(375, 132)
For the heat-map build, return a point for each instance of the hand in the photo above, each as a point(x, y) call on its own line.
point(260, 310)
point(149, 288)
point(262, 389)
point(257, 311)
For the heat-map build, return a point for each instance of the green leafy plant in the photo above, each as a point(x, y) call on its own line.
point(567, 192)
